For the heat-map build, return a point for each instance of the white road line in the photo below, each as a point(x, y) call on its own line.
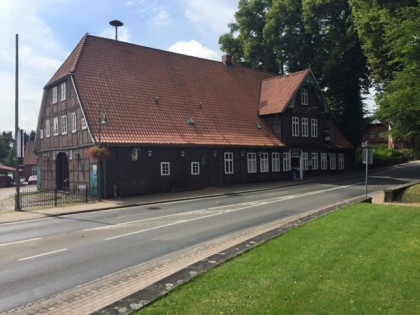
point(44, 254)
point(23, 241)
point(216, 211)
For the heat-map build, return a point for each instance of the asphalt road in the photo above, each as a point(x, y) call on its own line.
point(43, 257)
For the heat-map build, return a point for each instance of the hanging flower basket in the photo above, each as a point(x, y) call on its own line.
point(98, 152)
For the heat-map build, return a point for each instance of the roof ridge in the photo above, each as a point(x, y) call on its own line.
point(281, 76)
point(180, 54)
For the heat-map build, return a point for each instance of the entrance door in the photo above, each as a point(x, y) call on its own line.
point(296, 165)
point(62, 171)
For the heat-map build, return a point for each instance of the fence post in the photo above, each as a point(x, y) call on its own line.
point(55, 197)
point(87, 194)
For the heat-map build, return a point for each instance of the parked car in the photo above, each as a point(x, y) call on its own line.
point(32, 180)
point(6, 181)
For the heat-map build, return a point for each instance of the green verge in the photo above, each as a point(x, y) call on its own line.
point(411, 194)
point(363, 259)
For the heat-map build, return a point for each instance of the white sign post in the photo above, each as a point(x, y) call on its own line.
point(367, 157)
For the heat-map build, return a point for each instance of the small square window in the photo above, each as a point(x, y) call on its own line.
point(195, 168)
point(165, 168)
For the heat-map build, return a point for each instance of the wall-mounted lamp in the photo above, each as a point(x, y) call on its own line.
point(242, 153)
point(77, 156)
point(182, 153)
point(45, 157)
point(215, 153)
point(149, 153)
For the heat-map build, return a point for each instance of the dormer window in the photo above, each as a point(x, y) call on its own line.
point(304, 96)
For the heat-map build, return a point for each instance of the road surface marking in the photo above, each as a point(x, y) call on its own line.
point(18, 242)
point(44, 254)
point(208, 212)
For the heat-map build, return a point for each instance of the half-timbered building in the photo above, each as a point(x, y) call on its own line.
point(171, 121)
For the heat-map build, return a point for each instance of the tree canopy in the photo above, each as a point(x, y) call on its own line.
point(291, 35)
point(390, 35)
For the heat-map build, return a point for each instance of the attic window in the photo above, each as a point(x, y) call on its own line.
point(304, 96)
point(157, 100)
point(190, 121)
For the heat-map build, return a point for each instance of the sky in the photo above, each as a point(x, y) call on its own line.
point(48, 30)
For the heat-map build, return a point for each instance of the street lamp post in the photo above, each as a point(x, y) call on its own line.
point(102, 120)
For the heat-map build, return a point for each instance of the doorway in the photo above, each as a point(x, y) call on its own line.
point(62, 171)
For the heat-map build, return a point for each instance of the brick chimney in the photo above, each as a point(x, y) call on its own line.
point(227, 60)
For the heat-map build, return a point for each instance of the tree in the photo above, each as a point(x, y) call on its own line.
point(290, 35)
point(245, 41)
point(390, 35)
point(6, 140)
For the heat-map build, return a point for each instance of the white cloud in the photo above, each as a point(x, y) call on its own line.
point(161, 17)
point(214, 15)
point(194, 48)
point(40, 55)
point(155, 14)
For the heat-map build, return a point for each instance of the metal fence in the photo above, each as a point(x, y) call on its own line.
point(54, 198)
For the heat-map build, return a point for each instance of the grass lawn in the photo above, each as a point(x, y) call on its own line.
point(411, 194)
point(364, 259)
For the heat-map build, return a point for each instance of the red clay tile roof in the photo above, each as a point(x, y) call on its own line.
point(70, 64)
point(277, 92)
point(148, 95)
point(30, 157)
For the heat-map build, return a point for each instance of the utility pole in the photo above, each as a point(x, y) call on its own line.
point(17, 175)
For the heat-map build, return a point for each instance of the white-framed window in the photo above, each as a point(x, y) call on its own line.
point(228, 163)
point(252, 162)
point(314, 128)
point(264, 162)
point(305, 127)
point(305, 161)
point(324, 161)
point(47, 128)
point(84, 124)
point(314, 160)
point(341, 161)
point(195, 168)
point(63, 91)
point(333, 161)
point(165, 168)
point(286, 161)
point(41, 133)
point(275, 162)
point(295, 126)
point(73, 122)
point(55, 126)
point(64, 124)
point(54, 95)
point(304, 96)
point(372, 134)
